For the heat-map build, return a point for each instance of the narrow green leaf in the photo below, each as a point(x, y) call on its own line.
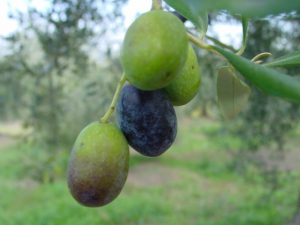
point(252, 9)
point(232, 93)
point(245, 23)
point(290, 60)
point(197, 15)
point(221, 44)
point(268, 80)
point(202, 24)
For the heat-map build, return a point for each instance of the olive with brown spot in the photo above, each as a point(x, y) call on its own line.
point(98, 166)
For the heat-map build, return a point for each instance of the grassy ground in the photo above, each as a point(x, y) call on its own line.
point(192, 183)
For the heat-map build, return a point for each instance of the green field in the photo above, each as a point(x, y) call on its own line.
point(193, 183)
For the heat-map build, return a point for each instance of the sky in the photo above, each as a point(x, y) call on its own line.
point(8, 25)
point(227, 33)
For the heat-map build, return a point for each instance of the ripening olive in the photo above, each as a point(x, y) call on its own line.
point(98, 166)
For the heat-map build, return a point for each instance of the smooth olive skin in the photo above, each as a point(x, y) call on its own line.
point(147, 119)
point(98, 166)
point(154, 50)
point(185, 86)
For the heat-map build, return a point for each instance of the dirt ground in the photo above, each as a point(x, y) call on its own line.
point(9, 131)
point(6, 140)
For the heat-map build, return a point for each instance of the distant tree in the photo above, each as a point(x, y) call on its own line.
point(49, 44)
point(50, 66)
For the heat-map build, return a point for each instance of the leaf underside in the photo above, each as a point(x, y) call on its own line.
point(249, 8)
point(232, 93)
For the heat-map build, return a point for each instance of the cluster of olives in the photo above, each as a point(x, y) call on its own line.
point(162, 70)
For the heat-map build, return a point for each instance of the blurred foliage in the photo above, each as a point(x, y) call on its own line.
point(189, 184)
point(268, 119)
point(267, 122)
point(54, 75)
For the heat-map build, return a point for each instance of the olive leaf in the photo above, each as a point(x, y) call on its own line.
point(193, 12)
point(290, 60)
point(245, 23)
point(252, 9)
point(232, 93)
point(268, 80)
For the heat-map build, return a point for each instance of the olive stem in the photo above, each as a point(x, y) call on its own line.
point(156, 5)
point(113, 103)
point(241, 50)
point(198, 42)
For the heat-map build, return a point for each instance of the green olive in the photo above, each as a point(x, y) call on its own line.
point(186, 85)
point(154, 50)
